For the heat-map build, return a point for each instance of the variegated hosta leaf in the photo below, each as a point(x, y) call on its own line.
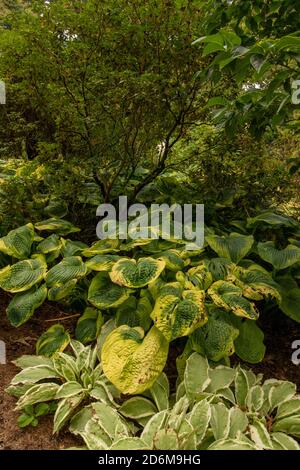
point(50, 244)
point(60, 292)
point(134, 313)
point(199, 418)
point(200, 277)
point(175, 316)
point(102, 262)
point(65, 410)
point(172, 258)
point(17, 243)
point(220, 421)
point(138, 408)
point(38, 393)
point(249, 345)
point(53, 340)
point(234, 247)
point(280, 259)
point(282, 441)
point(23, 305)
point(101, 247)
point(135, 274)
point(103, 293)
point(230, 297)
point(59, 226)
point(69, 268)
point(216, 338)
point(72, 247)
point(89, 325)
point(270, 218)
point(218, 267)
point(196, 376)
point(23, 275)
point(255, 284)
point(131, 361)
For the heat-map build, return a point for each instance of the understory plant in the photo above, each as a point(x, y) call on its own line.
point(214, 408)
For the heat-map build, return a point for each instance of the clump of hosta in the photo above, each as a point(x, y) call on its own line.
point(70, 380)
point(219, 408)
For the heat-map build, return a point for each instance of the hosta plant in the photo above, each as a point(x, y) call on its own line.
point(69, 380)
point(217, 408)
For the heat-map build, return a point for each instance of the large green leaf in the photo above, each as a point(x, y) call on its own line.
point(17, 243)
point(72, 247)
point(55, 339)
point(172, 258)
point(270, 218)
point(69, 268)
point(23, 275)
point(234, 247)
point(256, 284)
point(280, 259)
point(179, 316)
point(200, 277)
point(249, 345)
point(103, 293)
point(23, 305)
point(102, 262)
point(59, 226)
point(134, 313)
point(131, 361)
point(230, 297)
point(89, 325)
point(59, 292)
point(216, 338)
point(290, 303)
point(101, 247)
point(135, 274)
point(50, 244)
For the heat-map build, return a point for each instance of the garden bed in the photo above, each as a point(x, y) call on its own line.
point(279, 331)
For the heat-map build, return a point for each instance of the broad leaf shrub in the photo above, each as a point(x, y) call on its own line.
point(153, 292)
point(214, 408)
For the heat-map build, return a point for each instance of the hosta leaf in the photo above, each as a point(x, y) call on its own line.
point(18, 391)
point(160, 392)
point(199, 418)
point(234, 247)
point(80, 419)
point(31, 361)
point(68, 390)
point(281, 392)
point(200, 277)
point(228, 296)
point(216, 338)
point(270, 218)
point(172, 259)
point(101, 262)
point(288, 425)
point(38, 394)
point(109, 421)
point(23, 305)
point(281, 441)
point(59, 226)
point(220, 421)
point(131, 361)
point(65, 410)
point(280, 259)
point(137, 408)
point(132, 273)
point(17, 243)
point(53, 340)
point(72, 247)
point(249, 345)
point(129, 443)
point(103, 293)
point(89, 325)
point(49, 245)
point(241, 387)
point(196, 376)
point(66, 366)
point(176, 317)
point(220, 377)
point(23, 275)
point(156, 423)
point(290, 302)
point(57, 293)
point(231, 444)
point(218, 267)
point(34, 374)
point(166, 439)
point(256, 285)
point(101, 247)
point(255, 398)
point(288, 408)
point(135, 313)
point(238, 422)
point(260, 436)
point(69, 268)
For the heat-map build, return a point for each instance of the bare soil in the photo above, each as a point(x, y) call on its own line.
point(279, 331)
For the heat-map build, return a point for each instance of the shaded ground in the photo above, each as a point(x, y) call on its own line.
point(279, 331)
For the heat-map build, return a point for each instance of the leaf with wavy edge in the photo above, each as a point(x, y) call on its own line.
point(69, 268)
point(23, 275)
point(103, 293)
point(131, 273)
point(23, 305)
point(17, 243)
